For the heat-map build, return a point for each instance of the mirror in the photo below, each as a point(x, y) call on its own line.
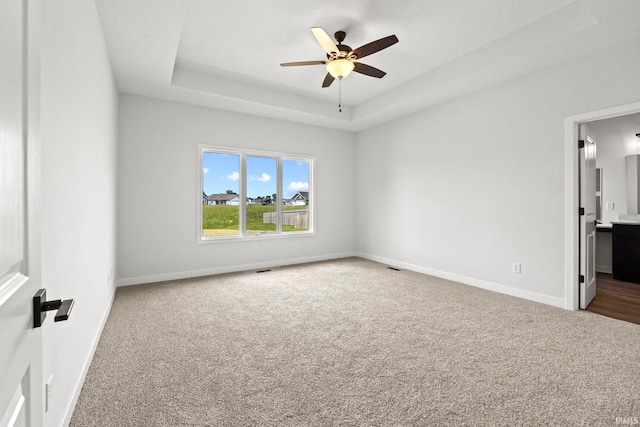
point(633, 186)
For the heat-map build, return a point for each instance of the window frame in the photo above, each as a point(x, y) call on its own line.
point(243, 153)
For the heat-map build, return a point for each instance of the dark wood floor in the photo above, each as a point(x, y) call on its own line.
point(617, 299)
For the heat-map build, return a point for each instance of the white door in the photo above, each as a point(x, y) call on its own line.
point(587, 219)
point(21, 386)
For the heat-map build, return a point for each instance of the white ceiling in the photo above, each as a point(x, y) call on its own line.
point(226, 55)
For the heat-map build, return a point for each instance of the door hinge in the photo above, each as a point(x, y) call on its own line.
point(581, 143)
point(580, 211)
point(581, 278)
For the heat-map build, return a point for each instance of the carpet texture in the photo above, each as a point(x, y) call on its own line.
point(351, 342)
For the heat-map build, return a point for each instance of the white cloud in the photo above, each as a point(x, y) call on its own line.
point(205, 170)
point(234, 176)
point(263, 178)
point(294, 187)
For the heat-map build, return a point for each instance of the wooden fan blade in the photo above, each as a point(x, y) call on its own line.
point(296, 64)
point(368, 70)
point(375, 46)
point(328, 80)
point(325, 41)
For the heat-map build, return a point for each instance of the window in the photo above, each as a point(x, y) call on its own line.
point(254, 193)
point(261, 213)
point(221, 203)
point(295, 190)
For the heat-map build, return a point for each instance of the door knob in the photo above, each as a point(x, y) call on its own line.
point(41, 306)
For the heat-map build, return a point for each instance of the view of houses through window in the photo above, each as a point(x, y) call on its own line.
point(275, 187)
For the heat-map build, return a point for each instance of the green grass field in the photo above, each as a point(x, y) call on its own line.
point(226, 218)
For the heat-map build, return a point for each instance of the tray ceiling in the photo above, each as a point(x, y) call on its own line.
point(226, 54)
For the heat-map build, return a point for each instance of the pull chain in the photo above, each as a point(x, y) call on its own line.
point(340, 94)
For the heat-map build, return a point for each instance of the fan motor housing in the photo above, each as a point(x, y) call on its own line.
point(344, 51)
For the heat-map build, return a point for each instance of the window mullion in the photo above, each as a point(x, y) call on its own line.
point(279, 196)
point(243, 195)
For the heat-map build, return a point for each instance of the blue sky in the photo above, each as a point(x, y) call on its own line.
point(221, 173)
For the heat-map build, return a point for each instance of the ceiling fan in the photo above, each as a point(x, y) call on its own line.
point(341, 58)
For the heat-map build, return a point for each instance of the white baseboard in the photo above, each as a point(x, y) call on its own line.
point(495, 287)
point(602, 268)
point(490, 286)
point(87, 364)
point(128, 281)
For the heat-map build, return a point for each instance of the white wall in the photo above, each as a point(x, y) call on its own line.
point(79, 130)
point(158, 190)
point(468, 187)
point(615, 139)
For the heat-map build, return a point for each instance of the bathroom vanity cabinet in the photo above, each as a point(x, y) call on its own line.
point(626, 252)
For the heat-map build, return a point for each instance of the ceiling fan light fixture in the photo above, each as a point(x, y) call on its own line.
point(340, 68)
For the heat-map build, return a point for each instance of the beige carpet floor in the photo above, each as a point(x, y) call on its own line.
point(353, 343)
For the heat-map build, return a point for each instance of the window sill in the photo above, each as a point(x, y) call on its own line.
point(254, 237)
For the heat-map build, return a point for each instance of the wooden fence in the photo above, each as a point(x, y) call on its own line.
point(297, 219)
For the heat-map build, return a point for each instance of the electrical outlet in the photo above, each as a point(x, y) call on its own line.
point(255, 248)
point(516, 268)
point(48, 393)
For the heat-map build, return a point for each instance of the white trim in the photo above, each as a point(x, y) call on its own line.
point(571, 264)
point(483, 284)
point(87, 364)
point(572, 192)
point(128, 281)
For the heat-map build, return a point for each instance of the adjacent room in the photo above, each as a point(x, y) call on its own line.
point(617, 149)
point(317, 213)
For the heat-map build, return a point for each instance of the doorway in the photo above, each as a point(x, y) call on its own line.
point(612, 205)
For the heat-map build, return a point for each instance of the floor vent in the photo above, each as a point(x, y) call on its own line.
point(263, 271)
point(394, 268)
